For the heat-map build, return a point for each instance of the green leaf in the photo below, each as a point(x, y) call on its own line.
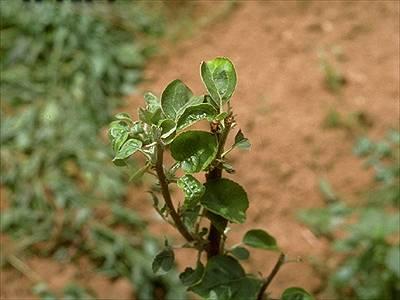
point(196, 113)
point(190, 216)
point(258, 238)
point(219, 77)
point(127, 149)
point(192, 276)
point(168, 130)
point(296, 293)
point(195, 150)
point(164, 261)
point(150, 117)
point(226, 198)
point(240, 252)
point(174, 98)
point(241, 142)
point(224, 278)
point(152, 101)
point(192, 188)
point(124, 117)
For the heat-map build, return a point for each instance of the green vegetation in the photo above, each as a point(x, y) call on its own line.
point(65, 68)
point(160, 128)
point(370, 268)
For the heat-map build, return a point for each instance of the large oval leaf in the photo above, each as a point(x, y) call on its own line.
point(127, 149)
point(196, 113)
point(226, 198)
point(258, 238)
point(174, 98)
point(296, 293)
point(219, 77)
point(194, 149)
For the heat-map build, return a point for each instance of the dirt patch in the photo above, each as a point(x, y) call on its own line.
point(281, 102)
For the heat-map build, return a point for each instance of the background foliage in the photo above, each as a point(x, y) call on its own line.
point(366, 234)
point(65, 68)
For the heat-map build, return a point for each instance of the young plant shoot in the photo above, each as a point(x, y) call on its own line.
point(164, 125)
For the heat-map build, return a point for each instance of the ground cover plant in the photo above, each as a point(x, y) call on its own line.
point(64, 69)
point(163, 127)
point(366, 234)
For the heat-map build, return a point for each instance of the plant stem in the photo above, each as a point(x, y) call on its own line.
point(268, 280)
point(214, 235)
point(167, 196)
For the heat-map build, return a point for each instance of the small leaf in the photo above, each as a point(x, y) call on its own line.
point(241, 142)
point(226, 198)
point(258, 238)
point(190, 216)
point(192, 188)
point(168, 130)
point(240, 252)
point(192, 276)
point(124, 117)
point(196, 113)
point(174, 98)
point(119, 141)
point(219, 77)
point(195, 150)
point(127, 149)
point(152, 101)
point(164, 261)
point(296, 293)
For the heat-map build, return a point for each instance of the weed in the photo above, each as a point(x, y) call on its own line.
point(161, 127)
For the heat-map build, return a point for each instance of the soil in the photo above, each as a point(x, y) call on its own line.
point(281, 103)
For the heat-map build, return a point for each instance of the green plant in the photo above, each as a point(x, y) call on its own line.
point(162, 124)
point(370, 268)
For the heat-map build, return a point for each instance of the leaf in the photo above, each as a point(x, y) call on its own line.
point(190, 216)
point(258, 238)
point(152, 101)
point(240, 252)
point(241, 142)
point(219, 77)
point(296, 293)
point(196, 113)
point(192, 276)
point(174, 98)
point(127, 149)
point(192, 188)
point(195, 150)
point(224, 278)
point(226, 198)
point(124, 117)
point(164, 261)
point(168, 130)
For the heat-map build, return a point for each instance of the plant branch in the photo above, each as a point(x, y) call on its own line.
point(268, 280)
point(214, 235)
point(167, 196)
